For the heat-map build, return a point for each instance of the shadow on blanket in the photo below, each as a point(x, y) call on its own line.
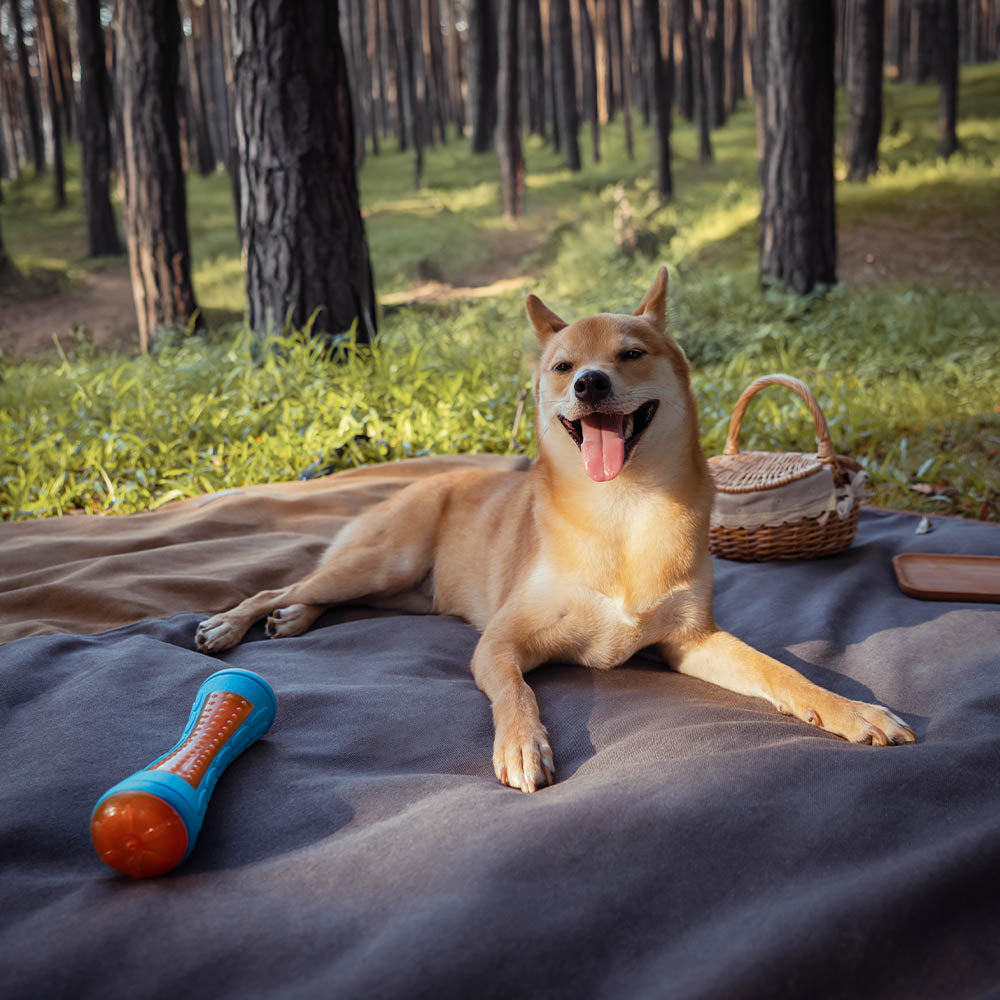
point(696, 844)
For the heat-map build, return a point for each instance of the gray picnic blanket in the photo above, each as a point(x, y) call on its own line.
point(696, 844)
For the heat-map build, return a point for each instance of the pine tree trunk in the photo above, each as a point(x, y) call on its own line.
point(588, 74)
point(798, 223)
point(482, 73)
point(155, 204)
point(625, 9)
point(702, 100)
point(95, 110)
point(534, 61)
point(36, 139)
point(509, 101)
point(680, 20)
point(304, 243)
point(735, 83)
point(715, 60)
point(864, 87)
point(197, 115)
point(48, 66)
point(661, 96)
point(947, 74)
point(564, 80)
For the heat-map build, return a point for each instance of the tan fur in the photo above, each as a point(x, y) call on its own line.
point(550, 565)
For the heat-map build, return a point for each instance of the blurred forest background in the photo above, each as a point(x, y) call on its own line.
point(247, 240)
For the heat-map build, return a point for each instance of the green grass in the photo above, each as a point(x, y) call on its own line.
point(906, 370)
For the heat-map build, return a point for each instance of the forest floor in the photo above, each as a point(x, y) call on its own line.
point(876, 249)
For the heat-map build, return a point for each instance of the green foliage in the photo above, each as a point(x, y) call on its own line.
point(906, 371)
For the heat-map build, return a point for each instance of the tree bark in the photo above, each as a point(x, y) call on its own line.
point(155, 204)
point(564, 78)
point(702, 100)
point(45, 38)
point(509, 126)
point(482, 73)
point(625, 9)
point(947, 74)
point(661, 97)
point(199, 131)
point(715, 60)
point(864, 87)
point(798, 222)
point(36, 139)
point(588, 76)
point(680, 26)
point(95, 110)
point(735, 80)
point(304, 242)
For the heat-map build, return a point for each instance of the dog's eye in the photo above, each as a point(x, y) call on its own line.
point(631, 355)
point(562, 366)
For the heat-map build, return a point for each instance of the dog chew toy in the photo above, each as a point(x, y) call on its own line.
point(147, 824)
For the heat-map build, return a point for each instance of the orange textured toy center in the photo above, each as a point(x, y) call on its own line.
point(220, 716)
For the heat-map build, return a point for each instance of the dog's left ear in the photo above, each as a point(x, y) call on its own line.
point(654, 303)
point(544, 320)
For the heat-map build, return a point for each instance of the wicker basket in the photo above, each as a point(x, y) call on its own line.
point(777, 481)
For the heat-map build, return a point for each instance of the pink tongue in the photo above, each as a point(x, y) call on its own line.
point(603, 445)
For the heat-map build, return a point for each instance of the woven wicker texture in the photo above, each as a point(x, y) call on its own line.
point(760, 470)
point(747, 473)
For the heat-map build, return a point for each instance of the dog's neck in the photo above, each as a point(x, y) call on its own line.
point(620, 536)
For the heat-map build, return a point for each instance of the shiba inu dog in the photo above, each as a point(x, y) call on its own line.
point(597, 551)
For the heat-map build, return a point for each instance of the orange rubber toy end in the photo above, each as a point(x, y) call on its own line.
point(138, 834)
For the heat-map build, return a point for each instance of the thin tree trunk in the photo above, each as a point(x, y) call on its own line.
point(588, 72)
point(680, 26)
point(482, 73)
point(95, 129)
point(798, 223)
point(155, 204)
point(36, 139)
point(304, 243)
point(735, 83)
point(714, 52)
point(508, 126)
point(534, 62)
point(564, 75)
point(197, 117)
point(702, 103)
point(947, 74)
point(661, 96)
point(626, 27)
point(864, 87)
point(48, 67)
point(407, 40)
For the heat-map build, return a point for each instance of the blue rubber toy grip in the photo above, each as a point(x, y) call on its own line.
point(147, 824)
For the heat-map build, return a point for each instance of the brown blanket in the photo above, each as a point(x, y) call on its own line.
point(696, 843)
point(89, 573)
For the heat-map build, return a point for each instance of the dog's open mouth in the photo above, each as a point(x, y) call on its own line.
point(606, 440)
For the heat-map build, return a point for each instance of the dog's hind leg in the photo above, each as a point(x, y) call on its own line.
point(388, 550)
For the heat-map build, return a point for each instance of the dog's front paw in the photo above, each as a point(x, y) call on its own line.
point(217, 634)
point(522, 757)
point(861, 722)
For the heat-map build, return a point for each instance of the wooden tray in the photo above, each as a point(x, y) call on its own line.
point(933, 577)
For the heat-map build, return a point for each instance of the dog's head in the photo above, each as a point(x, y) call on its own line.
point(613, 388)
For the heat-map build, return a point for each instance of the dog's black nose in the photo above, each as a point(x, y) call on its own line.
point(592, 386)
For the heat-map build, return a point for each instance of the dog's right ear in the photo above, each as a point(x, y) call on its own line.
point(544, 320)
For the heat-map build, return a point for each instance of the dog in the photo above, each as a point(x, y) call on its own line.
point(598, 550)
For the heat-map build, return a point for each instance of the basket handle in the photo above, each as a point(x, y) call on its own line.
point(824, 451)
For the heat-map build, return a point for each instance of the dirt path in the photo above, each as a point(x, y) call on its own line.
point(877, 250)
point(103, 306)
